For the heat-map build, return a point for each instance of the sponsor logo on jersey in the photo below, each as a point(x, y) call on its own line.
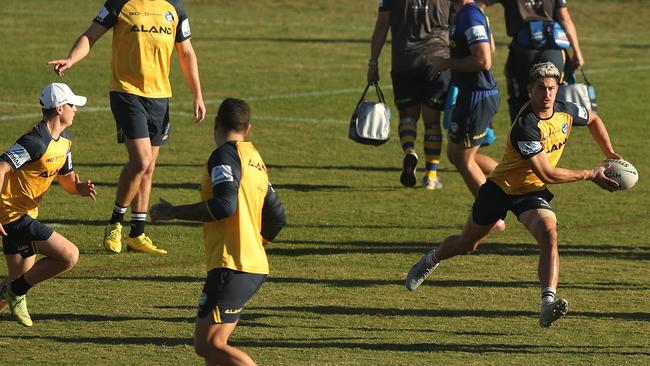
point(47, 174)
point(257, 165)
point(220, 174)
point(529, 147)
point(565, 128)
point(185, 28)
point(475, 34)
point(18, 155)
point(557, 146)
point(169, 16)
point(102, 14)
point(152, 29)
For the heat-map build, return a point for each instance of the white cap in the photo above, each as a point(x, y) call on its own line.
point(58, 94)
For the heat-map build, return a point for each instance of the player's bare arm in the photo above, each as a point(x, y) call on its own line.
point(548, 174)
point(72, 184)
point(190, 69)
point(382, 25)
point(599, 133)
point(80, 49)
point(479, 60)
point(4, 169)
point(564, 18)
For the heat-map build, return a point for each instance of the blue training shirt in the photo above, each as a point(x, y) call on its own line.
point(469, 27)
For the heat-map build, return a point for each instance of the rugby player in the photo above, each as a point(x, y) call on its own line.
point(519, 184)
point(241, 214)
point(145, 32)
point(27, 170)
point(419, 32)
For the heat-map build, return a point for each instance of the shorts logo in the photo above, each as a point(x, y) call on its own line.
point(582, 112)
point(203, 299)
point(565, 128)
point(169, 16)
point(220, 174)
point(18, 155)
point(233, 311)
point(453, 127)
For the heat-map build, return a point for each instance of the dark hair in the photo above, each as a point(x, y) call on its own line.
point(49, 113)
point(233, 115)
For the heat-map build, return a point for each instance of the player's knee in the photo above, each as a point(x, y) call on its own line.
point(71, 257)
point(141, 164)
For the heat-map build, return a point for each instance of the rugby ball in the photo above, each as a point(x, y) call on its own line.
point(622, 172)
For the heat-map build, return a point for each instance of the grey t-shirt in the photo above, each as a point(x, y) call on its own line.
point(419, 28)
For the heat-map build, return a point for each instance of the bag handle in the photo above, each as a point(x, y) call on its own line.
point(582, 71)
point(380, 94)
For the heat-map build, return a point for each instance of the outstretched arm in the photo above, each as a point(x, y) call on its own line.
point(190, 69)
point(80, 49)
point(600, 135)
point(382, 25)
point(554, 175)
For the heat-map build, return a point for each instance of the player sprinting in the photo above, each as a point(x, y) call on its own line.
point(241, 214)
point(27, 170)
point(518, 184)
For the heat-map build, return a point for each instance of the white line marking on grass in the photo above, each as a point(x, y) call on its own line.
point(278, 96)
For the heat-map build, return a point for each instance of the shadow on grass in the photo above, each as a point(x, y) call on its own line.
point(103, 223)
point(506, 249)
point(372, 168)
point(444, 313)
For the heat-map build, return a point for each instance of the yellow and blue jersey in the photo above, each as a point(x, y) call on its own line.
point(144, 36)
point(246, 209)
point(531, 135)
point(35, 160)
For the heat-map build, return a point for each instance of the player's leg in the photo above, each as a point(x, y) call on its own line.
point(211, 343)
point(490, 206)
point(158, 129)
point(12, 292)
point(408, 107)
point(59, 256)
point(433, 96)
point(464, 160)
point(132, 129)
point(222, 301)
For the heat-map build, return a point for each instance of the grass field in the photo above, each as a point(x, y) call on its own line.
point(336, 293)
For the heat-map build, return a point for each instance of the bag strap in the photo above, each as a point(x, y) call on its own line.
point(363, 96)
point(380, 94)
point(582, 71)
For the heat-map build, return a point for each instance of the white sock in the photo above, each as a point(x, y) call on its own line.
point(548, 295)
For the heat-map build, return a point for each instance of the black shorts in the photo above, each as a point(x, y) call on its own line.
point(417, 86)
point(21, 235)
point(493, 203)
point(139, 117)
point(472, 116)
point(226, 292)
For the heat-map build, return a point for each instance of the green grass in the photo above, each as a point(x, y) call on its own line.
point(336, 293)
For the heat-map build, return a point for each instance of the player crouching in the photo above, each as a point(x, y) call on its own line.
point(518, 184)
point(27, 170)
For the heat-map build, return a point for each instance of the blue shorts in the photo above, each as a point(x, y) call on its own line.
point(21, 235)
point(471, 117)
point(492, 203)
point(226, 292)
point(139, 117)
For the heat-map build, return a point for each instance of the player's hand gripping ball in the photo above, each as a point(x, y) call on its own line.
point(623, 172)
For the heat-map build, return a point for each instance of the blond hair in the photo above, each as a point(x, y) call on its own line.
point(543, 70)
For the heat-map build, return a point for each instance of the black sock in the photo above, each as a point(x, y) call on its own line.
point(138, 220)
point(118, 214)
point(19, 286)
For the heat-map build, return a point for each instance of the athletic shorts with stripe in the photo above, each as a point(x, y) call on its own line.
point(472, 116)
point(21, 235)
point(226, 292)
